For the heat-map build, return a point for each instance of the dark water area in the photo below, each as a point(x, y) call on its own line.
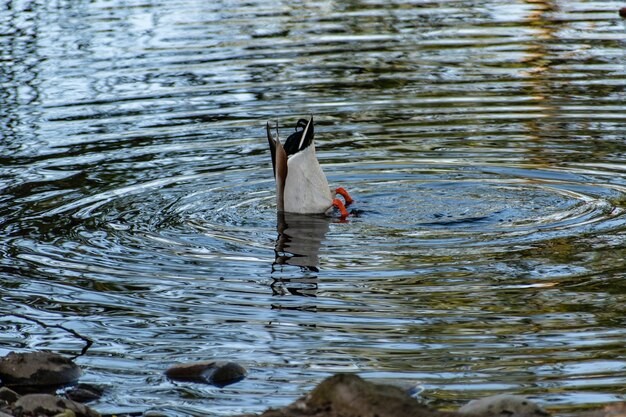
point(484, 143)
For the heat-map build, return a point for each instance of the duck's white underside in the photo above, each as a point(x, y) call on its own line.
point(306, 188)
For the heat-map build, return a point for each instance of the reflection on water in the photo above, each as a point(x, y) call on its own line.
point(484, 142)
point(299, 240)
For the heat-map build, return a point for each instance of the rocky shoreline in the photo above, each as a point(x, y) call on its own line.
point(29, 382)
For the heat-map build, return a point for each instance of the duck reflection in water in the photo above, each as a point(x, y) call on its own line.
point(299, 240)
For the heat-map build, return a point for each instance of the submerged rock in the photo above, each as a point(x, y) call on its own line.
point(504, 405)
point(37, 369)
point(83, 393)
point(218, 373)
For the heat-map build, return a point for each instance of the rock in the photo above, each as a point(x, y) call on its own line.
point(8, 395)
point(50, 405)
point(83, 393)
point(3, 414)
point(346, 395)
point(218, 373)
point(37, 369)
point(227, 373)
point(504, 405)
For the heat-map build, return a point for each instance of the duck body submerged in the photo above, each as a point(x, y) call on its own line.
point(301, 186)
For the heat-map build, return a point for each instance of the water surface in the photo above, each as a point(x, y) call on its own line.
point(483, 142)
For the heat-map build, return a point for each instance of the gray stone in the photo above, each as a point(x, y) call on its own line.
point(504, 405)
point(219, 373)
point(37, 368)
point(8, 395)
point(50, 405)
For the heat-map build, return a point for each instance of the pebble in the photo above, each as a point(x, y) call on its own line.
point(218, 373)
point(37, 369)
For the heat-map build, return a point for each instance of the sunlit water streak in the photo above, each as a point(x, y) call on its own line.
point(483, 141)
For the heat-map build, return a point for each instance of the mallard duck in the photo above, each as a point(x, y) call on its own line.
point(301, 186)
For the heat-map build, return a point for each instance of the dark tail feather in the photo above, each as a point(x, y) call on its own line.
point(272, 143)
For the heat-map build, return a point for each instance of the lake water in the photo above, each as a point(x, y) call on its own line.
point(484, 143)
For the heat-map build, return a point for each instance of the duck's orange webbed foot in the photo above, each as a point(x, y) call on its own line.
point(342, 191)
point(342, 208)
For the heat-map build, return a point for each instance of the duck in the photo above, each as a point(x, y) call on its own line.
point(301, 186)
